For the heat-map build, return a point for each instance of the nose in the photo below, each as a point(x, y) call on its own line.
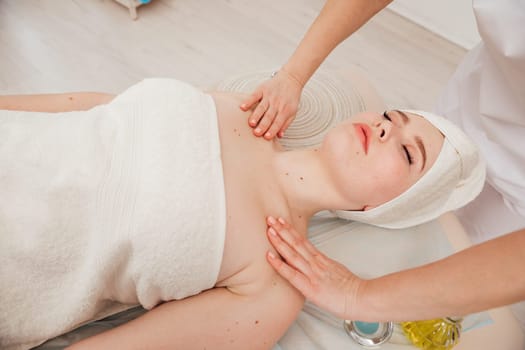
point(384, 130)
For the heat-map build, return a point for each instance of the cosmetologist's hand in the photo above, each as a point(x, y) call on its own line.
point(277, 100)
point(323, 281)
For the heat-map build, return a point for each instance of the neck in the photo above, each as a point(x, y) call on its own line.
point(305, 183)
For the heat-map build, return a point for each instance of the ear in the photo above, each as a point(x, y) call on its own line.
point(368, 207)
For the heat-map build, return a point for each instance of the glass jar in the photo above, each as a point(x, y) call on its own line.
point(436, 334)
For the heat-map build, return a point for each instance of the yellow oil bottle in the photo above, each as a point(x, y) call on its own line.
point(437, 334)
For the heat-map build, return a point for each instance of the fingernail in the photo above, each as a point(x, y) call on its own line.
point(243, 106)
point(271, 220)
point(268, 134)
point(272, 231)
point(253, 121)
point(281, 220)
point(257, 130)
point(271, 255)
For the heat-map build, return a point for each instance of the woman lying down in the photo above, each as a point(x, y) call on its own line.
point(158, 197)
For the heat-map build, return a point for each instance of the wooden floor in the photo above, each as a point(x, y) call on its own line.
point(72, 45)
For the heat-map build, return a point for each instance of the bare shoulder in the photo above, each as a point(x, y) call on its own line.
point(228, 102)
point(232, 120)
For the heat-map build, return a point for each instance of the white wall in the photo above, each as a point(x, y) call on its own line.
point(452, 19)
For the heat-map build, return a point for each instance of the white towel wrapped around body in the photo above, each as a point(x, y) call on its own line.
point(100, 210)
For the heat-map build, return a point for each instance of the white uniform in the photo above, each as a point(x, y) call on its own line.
point(486, 97)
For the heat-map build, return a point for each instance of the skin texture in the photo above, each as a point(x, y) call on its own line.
point(392, 148)
point(54, 103)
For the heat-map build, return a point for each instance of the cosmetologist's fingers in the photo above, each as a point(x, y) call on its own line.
point(256, 117)
point(297, 279)
point(267, 121)
point(249, 102)
point(291, 256)
point(276, 125)
point(293, 239)
point(287, 123)
point(315, 258)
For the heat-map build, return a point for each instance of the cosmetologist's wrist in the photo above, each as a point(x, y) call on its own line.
point(292, 76)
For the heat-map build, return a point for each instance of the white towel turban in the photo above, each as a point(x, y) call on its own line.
point(456, 177)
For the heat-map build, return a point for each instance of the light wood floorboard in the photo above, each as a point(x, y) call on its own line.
point(72, 45)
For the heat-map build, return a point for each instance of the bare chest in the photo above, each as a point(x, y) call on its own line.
point(251, 195)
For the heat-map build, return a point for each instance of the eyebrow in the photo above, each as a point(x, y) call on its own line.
point(421, 146)
point(404, 117)
point(419, 141)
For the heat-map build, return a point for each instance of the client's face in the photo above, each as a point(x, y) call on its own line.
point(374, 157)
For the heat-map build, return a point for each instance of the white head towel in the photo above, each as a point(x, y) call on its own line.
point(456, 178)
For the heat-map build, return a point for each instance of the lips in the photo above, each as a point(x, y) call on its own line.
point(363, 133)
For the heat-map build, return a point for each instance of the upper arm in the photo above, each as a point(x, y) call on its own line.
point(215, 319)
point(76, 101)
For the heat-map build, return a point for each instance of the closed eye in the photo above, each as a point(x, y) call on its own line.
point(407, 153)
point(409, 156)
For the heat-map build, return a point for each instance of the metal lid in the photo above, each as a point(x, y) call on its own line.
point(369, 335)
